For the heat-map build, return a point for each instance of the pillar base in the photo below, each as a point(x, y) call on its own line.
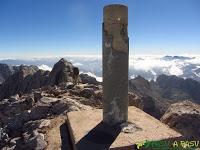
point(87, 130)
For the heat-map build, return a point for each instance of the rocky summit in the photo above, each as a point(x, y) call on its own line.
point(27, 121)
point(26, 78)
point(23, 81)
point(34, 104)
point(61, 72)
point(6, 71)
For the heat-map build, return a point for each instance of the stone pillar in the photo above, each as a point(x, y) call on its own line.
point(115, 64)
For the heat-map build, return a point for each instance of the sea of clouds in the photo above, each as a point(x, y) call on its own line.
point(147, 66)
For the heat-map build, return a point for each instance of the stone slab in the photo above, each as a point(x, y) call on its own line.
point(87, 130)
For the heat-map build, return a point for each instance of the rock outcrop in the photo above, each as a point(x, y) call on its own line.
point(33, 102)
point(24, 120)
point(185, 118)
point(23, 81)
point(61, 72)
point(31, 77)
point(175, 88)
point(147, 104)
point(164, 91)
point(143, 94)
point(168, 88)
point(85, 78)
point(6, 71)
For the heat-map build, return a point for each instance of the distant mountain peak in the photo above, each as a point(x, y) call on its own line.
point(177, 58)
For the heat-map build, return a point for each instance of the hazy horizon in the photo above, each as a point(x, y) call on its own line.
point(147, 66)
point(22, 57)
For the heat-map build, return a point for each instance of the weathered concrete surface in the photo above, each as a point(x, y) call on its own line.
point(115, 64)
point(88, 132)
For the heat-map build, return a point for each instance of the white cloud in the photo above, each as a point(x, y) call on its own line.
point(174, 70)
point(77, 64)
point(45, 67)
point(148, 66)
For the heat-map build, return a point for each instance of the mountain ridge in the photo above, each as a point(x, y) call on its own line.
point(148, 66)
point(32, 120)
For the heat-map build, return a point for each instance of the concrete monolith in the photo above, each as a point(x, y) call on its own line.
point(115, 64)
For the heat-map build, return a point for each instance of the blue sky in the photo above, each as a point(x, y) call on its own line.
point(60, 27)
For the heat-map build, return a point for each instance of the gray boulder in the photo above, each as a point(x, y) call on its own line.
point(14, 98)
point(35, 141)
point(6, 71)
point(4, 138)
point(35, 125)
point(185, 118)
point(61, 72)
point(85, 78)
point(87, 92)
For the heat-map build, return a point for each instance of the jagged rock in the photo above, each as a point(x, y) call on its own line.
point(27, 78)
point(8, 148)
point(57, 92)
point(87, 92)
point(73, 105)
point(4, 138)
point(37, 96)
point(40, 112)
point(59, 107)
point(93, 102)
point(149, 92)
point(44, 123)
point(47, 101)
point(37, 124)
point(30, 101)
point(66, 86)
point(135, 100)
point(99, 95)
point(24, 80)
point(6, 71)
point(13, 144)
point(73, 108)
point(3, 104)
point(70, 85)
point(74, 92)
point(184, 117)
point(176, 88)
point(11, 109)
point(14, 98)
point(15, 123)
point(61, 72)
point(140, 83)
point(85, 78)
point(35, 141)
point(147, 104)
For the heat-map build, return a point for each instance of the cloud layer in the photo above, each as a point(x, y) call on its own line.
point(147, 66)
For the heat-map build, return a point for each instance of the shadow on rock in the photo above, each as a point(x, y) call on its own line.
point(100, 137)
